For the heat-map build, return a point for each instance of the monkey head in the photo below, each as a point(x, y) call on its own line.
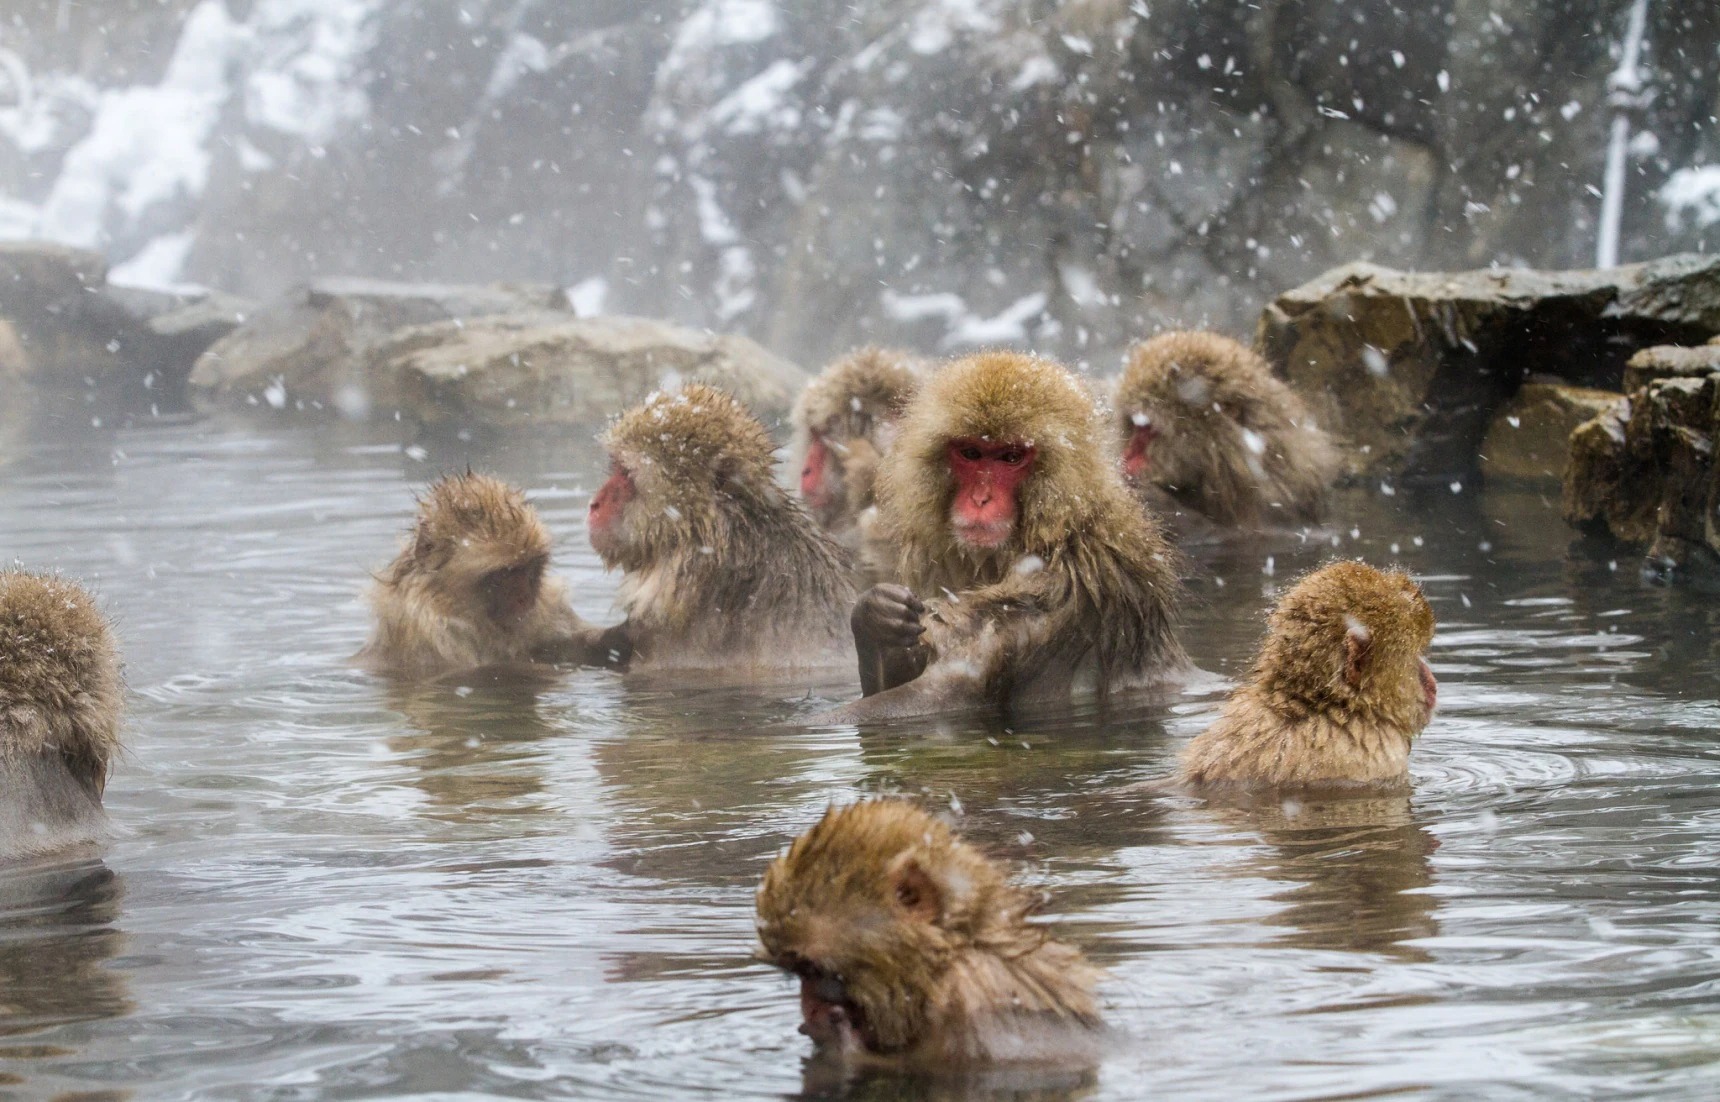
point(1350, 638)
point(677, 462)
point(60, 684)
point(1202, 415)
point(852, 405)
point(880, 911)
point(996, 458)
point(483, 544)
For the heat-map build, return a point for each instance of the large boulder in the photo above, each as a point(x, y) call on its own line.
point(310, 353)
point(1643, 471)
point(1411, 368)
point(128, 347)
point(510, 371)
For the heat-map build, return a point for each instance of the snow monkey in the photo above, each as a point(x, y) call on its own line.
point(472, 588)
point(1207, 429)
point(1339, 691)
point(1031, 572)
point(721, 567)
point(843, 424)
point(61, 696)
point(911, 946)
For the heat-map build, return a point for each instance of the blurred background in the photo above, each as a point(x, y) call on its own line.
point(817, 173)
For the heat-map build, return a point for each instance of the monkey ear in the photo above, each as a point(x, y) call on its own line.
point(1358, 649)
point(915, 891)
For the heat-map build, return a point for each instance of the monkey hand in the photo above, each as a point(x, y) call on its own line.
point(614, 647)
point(888, 616)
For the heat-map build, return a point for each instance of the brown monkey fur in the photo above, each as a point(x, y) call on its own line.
point(472, 588)
point(853, 406)
point(910, 945)
point(61, 696)
point(721, 567)
point(1336, 696)
point(1084, 590)
point(1233, 443)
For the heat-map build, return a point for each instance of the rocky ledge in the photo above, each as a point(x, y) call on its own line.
point(1643, 471)
point(1414, 371)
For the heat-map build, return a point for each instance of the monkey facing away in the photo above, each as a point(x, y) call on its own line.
point(911, 946)
point(1214, 440)
point(472, 588)
point(844, 421)
point(61, 696)
point(1030, 570)
point(722, 569)
point(1338, 693)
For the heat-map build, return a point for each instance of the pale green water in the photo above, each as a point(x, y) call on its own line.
point(325, 887)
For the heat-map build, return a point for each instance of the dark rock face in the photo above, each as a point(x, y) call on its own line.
point(1643, 472)
point(119, 347)
point(1410, 368)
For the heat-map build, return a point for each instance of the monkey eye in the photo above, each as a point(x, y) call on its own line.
point(1013, 457)
point(908, 895)
point(971, 453)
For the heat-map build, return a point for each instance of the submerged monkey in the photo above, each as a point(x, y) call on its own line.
point(1337, 695)
point(844, 422)
point(1213, 440)
point(61, 696)
point(721, 568)
point(1030, 571)
point(472, 588)
point(911, 946)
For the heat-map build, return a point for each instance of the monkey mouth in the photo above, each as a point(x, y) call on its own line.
point(1429, 687)
point(986, 534)
point(827, 1014)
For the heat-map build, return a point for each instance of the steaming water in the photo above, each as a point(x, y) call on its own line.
point(324, 886)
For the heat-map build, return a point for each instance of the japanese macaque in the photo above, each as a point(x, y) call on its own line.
point(911, 946)
point(1339, 691)
point(722, 569)
point(61, 696)
point(1210, 435)
point(843, 424)
point(1030, 571)
point(472, 589)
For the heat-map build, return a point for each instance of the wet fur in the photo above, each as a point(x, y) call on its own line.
point(61, 698)
point(1200, 391)
point(721, 566)
point(430, 614)
point(974, 981)
point(1101, 606)
point(1299, 722)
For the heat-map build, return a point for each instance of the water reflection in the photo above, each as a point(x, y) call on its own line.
point(57, 938)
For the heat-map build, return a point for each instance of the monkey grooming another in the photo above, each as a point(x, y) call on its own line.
point(471, 588)
point(1031, 572)
point(911, 946)
point(61, 696)
point(1214, 441)
point(722, 569)
point(844, 422)
point(1338, 693)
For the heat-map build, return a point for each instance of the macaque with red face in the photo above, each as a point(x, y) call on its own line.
point(722, 569)
point(911, 947)
point(1338, 694)
point(1214, 442)
point(844, 422)
point(472, 588)
point(1031, 573)
point(61, 697)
